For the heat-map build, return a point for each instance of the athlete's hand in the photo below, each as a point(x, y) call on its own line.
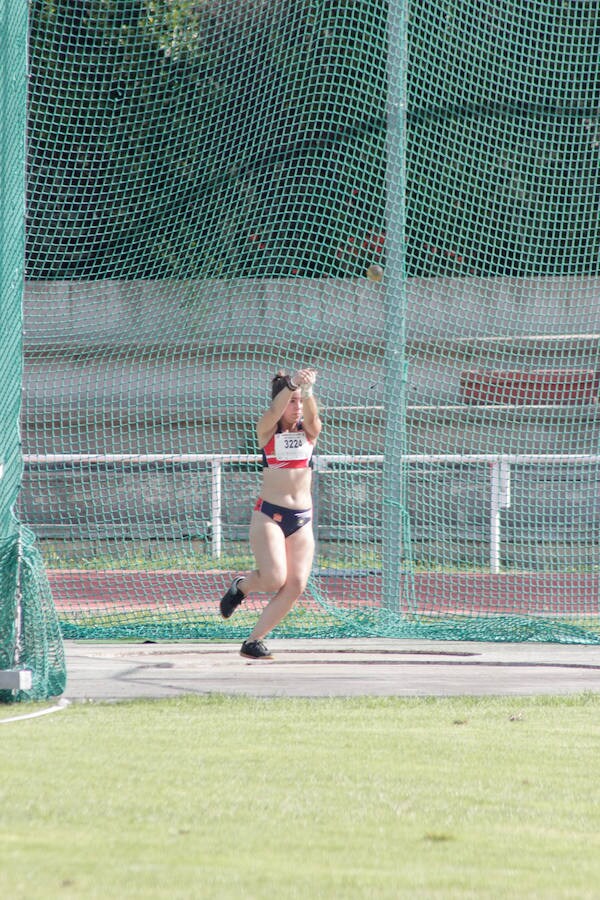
point(305, 377)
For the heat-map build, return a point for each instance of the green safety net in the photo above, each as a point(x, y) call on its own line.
point(30, 638)
point(403, 195)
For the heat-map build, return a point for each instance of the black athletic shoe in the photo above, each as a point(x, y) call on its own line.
point(255, 650)
point(232, 598)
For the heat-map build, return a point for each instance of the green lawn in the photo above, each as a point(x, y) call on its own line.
point(222, 797)
point(196, 556)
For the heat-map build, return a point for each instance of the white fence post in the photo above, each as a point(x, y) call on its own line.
point(216, 501)
point(499, 500)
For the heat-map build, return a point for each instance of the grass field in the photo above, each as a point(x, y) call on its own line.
point(221, 797)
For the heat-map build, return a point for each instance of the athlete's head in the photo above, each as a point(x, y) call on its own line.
point(293, 411)
point(279, 382)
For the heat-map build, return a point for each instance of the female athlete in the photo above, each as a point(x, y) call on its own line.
point(281, 535)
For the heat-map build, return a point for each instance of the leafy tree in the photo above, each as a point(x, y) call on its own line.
point(182, 139)
point(503, 173)
point(173, 138)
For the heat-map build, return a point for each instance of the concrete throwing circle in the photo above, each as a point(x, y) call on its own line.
point(329, 668)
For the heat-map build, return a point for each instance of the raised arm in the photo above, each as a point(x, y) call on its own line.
point(310, 409)
point(266, 425)
point(303, 380)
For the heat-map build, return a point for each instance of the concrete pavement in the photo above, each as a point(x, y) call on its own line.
point(329, 668)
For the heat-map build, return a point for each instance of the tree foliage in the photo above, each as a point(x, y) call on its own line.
point(172, 138)
point(187, 139)
point(503, 149)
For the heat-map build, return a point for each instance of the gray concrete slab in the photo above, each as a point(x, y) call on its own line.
point(329, 668)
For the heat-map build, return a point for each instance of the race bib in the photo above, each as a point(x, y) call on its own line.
point(292, 445)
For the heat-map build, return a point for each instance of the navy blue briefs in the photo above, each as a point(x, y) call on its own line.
point(289, 520)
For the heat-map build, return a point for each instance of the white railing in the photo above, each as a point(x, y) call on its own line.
point(499, 464)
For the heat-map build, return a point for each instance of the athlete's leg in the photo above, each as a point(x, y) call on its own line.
point(267, 542)
point(299, 550)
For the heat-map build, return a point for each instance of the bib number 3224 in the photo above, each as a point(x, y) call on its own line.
point(292, 445)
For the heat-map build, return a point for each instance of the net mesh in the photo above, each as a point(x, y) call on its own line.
point(404, 196)
point(30, 640)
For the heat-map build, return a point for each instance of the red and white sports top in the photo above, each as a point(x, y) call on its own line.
point(288, 450)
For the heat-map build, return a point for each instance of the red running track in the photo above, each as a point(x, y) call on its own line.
point(520, 593)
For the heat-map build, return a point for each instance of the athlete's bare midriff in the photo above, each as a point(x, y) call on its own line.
point(287, 487)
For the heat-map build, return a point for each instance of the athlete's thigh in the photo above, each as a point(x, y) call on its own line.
point(300, 547)
point(267, 543)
